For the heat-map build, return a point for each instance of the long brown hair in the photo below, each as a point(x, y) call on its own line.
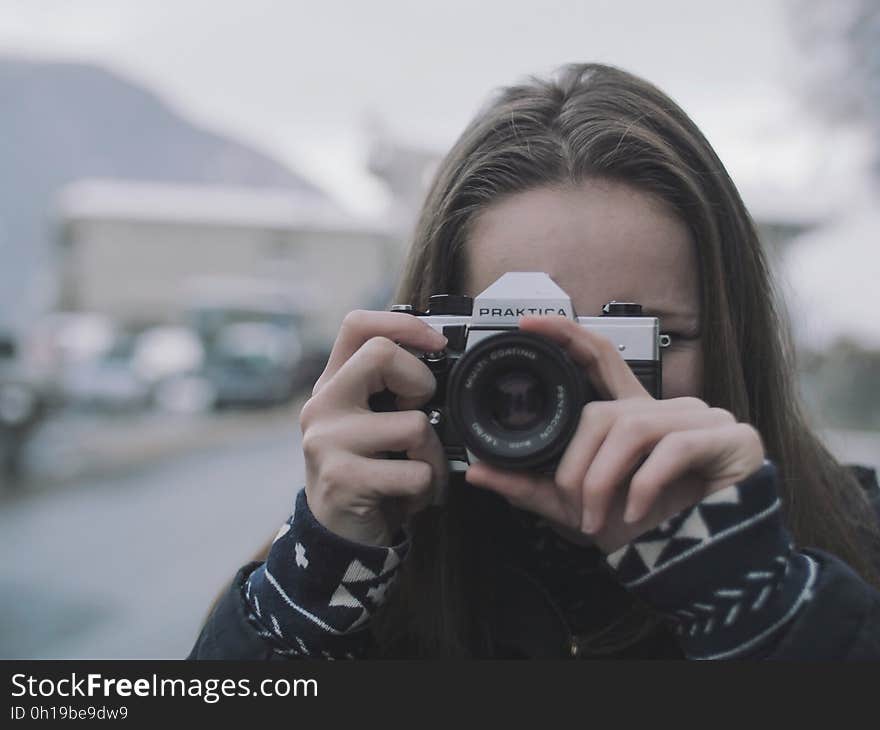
point(596, 121)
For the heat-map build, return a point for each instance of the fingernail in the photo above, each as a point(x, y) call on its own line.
point(588, 522)
point(631, 514)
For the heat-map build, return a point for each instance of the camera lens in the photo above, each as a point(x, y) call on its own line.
point(515, 399)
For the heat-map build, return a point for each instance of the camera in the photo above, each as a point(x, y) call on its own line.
point(513, 398)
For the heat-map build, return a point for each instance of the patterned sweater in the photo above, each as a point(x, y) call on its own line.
point(724, 575)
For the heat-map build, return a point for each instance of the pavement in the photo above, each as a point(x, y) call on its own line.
point(127, 565)
point(73, 446)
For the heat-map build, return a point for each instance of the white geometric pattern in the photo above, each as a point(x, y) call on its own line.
point(614, 558)
point(691, 526)
point(694, 527)
point(342, 597)
point(301, 560)
point(649, 552)
point(735, 603)
point(299, 593)
point(728, 495)
point(357, 572)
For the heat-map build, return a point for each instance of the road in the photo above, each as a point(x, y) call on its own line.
point(127, 566)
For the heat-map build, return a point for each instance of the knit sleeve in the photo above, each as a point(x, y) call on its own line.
point(316, 592)
point(725, 571)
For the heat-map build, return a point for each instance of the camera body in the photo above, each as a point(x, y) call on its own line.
point(513, 398)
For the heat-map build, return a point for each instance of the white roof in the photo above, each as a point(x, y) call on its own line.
point(252, 293)
point(221, 205)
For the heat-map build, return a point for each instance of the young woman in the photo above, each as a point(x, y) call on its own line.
point(710, 523)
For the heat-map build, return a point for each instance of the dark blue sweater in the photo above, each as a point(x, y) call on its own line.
point(724, 575)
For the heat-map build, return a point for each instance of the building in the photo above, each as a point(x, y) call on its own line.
point(136, 250)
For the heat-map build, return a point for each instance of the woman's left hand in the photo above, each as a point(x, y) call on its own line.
point(634, 461)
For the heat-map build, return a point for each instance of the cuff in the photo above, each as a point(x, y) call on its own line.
point(724, 571)
point(316, 592)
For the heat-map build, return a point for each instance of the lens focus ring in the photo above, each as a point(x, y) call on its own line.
point(515, 399)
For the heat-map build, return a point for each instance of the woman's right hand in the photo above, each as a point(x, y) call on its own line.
point(351, 489)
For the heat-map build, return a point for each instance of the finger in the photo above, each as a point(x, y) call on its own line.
point(688, 491)
point(534, 493)
point(360, 325)
point(605, 366)
point(369, 434)
point(372, 434)
point(354, 485)
point(596, 420)
point(632, 437)
point(423, 444)
point(406, 486)
point(376, 478)
point(377, 365)
point(680, 452)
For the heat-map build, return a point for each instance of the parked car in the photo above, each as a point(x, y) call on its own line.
point(106, 381)
point(253, 364)
point(169, 360)
point(21, 408)
point(59, 342)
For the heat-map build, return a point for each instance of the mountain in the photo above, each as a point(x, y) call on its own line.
point(64, 121)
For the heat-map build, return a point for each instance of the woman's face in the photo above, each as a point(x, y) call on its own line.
point(600, 241)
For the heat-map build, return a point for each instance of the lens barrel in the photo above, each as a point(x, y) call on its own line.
point(515, 398)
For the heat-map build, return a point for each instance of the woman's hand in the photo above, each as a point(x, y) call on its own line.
point(351, 489)
point(634, 461)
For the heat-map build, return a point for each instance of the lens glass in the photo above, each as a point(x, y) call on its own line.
point(516, 400)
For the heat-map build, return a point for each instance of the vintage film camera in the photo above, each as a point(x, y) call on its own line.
point(512, 398)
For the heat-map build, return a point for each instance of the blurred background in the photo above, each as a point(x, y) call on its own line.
point(193, 193)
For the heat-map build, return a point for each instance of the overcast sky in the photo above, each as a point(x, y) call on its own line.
point(298, 78)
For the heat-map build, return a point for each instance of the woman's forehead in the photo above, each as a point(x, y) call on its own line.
point(599, 241)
